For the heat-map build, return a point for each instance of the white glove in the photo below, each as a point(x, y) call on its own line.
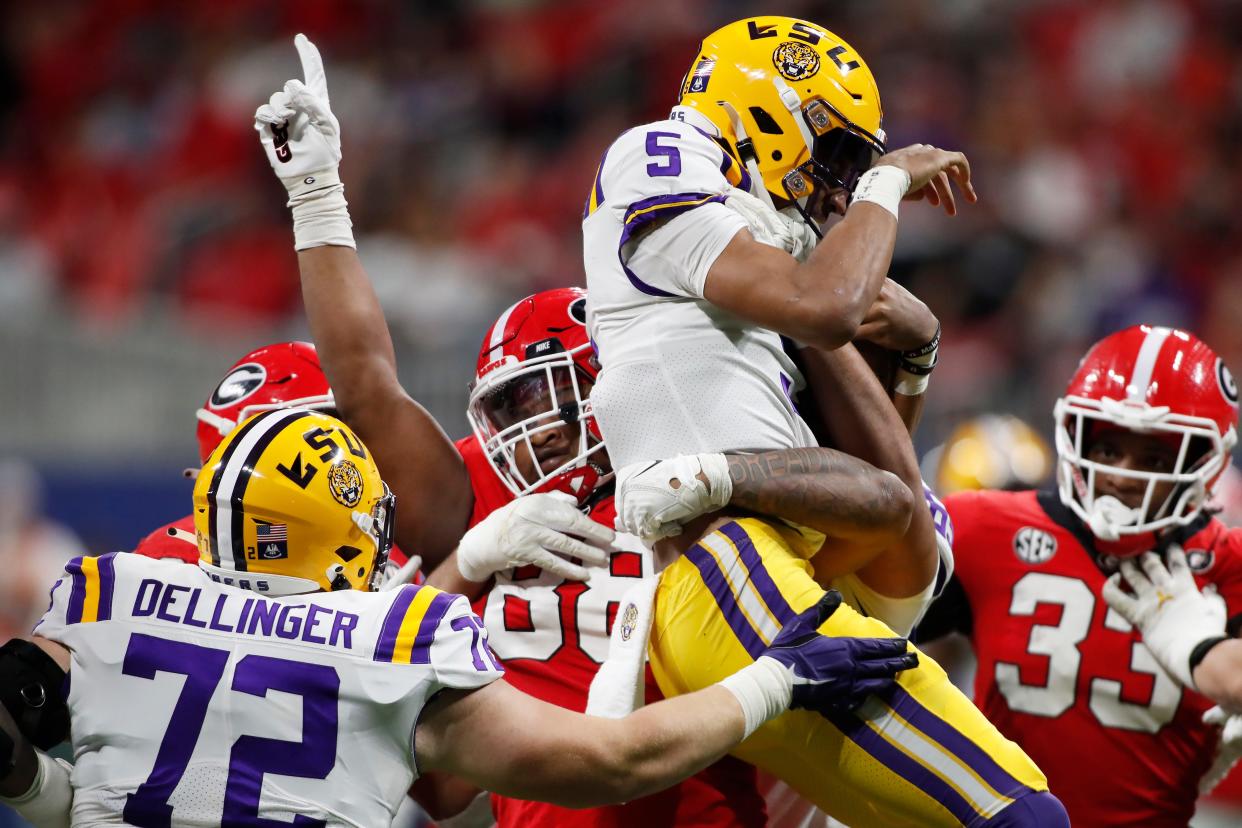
point(1228, 752)
point(793, 235)
point(537, 529)
point(1167, 607)
point(302, 139)
point(655, 500)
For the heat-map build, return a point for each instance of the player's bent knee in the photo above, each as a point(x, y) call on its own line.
point(1039, 809)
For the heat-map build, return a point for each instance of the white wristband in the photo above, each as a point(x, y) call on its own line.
point(320, 212)
point(763, 689)
point(715, 468)
point(884, 185)
point(910, 385)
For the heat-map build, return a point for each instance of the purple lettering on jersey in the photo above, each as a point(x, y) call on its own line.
point(145, 656)
point(215, 624)
point(189, 610)
point(148, 595)
point(480, 653)
point(265, 615)
point(343, 625)
point(421, 654)
point(166, 603)
point(245, 613)
point(289, 625)
point(313, 757)
point(308, 631)
point(670, 157)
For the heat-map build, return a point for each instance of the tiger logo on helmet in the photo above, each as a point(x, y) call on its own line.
point(795, 61)
point(791, 101)
point(291, 502)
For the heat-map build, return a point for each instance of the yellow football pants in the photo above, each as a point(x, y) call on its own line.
point(922, 755)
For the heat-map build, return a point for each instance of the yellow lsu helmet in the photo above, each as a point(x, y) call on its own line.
point(992, 451)
point(793, 101)
point(291, 502)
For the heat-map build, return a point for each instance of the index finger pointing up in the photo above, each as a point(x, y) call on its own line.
point(312, 66)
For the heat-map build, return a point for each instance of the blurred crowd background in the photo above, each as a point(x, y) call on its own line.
point(144, 244)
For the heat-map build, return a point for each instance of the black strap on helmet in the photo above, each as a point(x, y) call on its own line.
point(31, 689)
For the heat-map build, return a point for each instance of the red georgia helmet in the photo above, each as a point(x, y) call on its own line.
point(1150, 380)
point(529, 380)
point(284, 375)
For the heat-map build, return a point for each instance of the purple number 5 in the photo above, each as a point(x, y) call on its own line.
point(670, 163)
point(203, 667)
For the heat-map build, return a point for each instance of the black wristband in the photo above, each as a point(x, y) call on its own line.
point(1201, 650)
point(925, 349)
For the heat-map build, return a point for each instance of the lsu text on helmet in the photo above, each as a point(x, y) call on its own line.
point(1153, 381)
point(532, 378)
point(790, 100)
point(292, 502)
point(991, 451)
point(284, 375)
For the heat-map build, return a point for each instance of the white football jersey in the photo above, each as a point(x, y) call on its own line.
point(680, 375)
point(211, 705)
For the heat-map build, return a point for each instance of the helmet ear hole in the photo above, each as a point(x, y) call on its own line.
point(766, 123)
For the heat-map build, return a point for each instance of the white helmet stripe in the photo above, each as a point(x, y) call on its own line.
point(498, 333)
point(237, 467)
point(1145, 363)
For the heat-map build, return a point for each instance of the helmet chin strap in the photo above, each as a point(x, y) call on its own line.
point(746, 151)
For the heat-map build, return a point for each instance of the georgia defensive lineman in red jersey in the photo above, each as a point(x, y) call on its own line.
point(1142, 434)
point(283, 375)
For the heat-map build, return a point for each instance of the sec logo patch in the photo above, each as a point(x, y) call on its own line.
point(1034, 546)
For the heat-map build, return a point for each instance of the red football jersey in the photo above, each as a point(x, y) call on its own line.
point(1065, 676)
point(552, 636)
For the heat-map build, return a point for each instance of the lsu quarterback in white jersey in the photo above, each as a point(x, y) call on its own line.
point(270, 685)
point(693, 276)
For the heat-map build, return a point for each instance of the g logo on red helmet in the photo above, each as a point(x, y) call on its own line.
point(240, 383)
point(1227, 386)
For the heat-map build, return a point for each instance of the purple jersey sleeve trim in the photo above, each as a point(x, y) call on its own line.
point(427, 629)
point(77, 592)
point(391, 627)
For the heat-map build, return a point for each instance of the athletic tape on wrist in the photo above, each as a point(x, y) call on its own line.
point(884, 185)
point(321, 217)
point(763, 689)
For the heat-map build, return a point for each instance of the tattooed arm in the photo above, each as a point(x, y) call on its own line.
point(845, 498)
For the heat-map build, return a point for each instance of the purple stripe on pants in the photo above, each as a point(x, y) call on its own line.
point(899, 763)
point(77, 592)
point(392, 623)
point(758, 573)
point(716, 584)
point(421, 654)
point(954, 741)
